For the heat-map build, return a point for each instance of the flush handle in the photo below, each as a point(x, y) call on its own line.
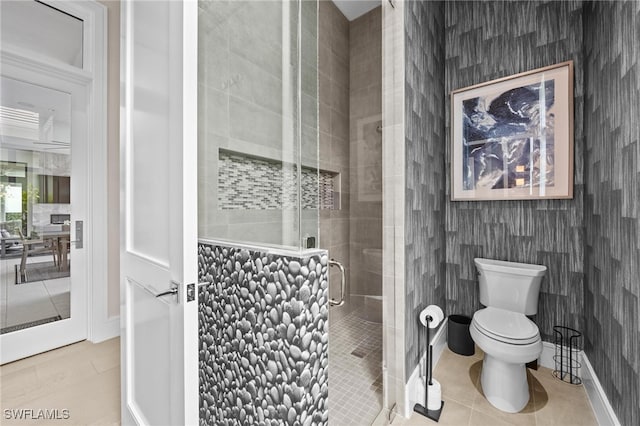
point(79, 241)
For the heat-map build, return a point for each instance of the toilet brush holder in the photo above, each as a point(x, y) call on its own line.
point(433, 405)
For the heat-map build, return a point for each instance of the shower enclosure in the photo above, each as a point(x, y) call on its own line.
point(289, 178)
point(350, 141)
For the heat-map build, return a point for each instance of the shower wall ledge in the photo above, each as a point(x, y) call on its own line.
point(275, 249)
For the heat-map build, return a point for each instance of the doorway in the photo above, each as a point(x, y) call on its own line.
point(51, 130)
point(35, 204)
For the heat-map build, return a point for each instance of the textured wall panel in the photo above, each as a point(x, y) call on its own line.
point(424, 159)
point(612, 201)
point(263, 337)
point(485, 41)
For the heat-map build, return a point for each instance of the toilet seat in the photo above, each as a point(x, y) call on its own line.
point(506, 326)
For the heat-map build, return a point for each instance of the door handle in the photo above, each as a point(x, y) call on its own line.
point(168, 292)
point(172, 290)
point(79, 234)
point(343, 283)
point(79, 241)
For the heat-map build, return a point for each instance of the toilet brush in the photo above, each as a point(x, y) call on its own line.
point(430, 317)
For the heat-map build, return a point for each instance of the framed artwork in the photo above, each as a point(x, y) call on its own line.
point(512, 138)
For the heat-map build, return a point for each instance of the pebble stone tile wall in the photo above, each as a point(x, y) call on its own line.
point(263, 337)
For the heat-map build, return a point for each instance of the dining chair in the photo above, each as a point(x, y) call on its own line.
point(31, 246)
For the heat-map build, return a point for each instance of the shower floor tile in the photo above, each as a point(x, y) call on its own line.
point(355, 370)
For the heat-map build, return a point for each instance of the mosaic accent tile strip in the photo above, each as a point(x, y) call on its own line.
point(263, 337)
point(309, 186)
point(327, 188)
point(250, 183)
point(612, 201)
point(479, 48)
point(425, 171)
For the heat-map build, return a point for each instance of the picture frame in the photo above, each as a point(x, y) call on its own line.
point(503, 148)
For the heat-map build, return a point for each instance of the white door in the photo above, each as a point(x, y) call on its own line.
point(43, 157)
point(159, 335)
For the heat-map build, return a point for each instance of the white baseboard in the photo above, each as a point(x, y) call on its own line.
point(105, 330)
point(597, 397)
point(439, 342)
point(549, 351)
point(599, 402)
point(546, 357)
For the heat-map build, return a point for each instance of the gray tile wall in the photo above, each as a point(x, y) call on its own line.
point(485, 41)
point(424, 159)
point(310, 114)
point(239, 106)
point(263, 354)
point(333, 74)
point(612, 201)
point(350, 95)
point(365, 151)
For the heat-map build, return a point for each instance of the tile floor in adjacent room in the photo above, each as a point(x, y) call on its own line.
point(355, 370)
point(32, 301)
point(83, 378)
point(552, 403)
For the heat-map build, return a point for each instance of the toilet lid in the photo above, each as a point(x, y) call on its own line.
point(506, 326)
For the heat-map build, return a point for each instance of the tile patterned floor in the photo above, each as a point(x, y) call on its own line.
point(32, 301)
point(62, 379)
point(83, 378)
point(355, 370)
point(552, 402)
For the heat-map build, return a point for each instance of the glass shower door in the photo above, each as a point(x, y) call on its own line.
point(257, 163)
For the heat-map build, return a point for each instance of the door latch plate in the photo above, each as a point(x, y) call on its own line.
point(191, 292)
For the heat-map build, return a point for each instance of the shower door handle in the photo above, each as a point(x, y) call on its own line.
point(343, 283)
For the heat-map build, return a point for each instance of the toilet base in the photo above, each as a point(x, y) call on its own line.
point(504, 384)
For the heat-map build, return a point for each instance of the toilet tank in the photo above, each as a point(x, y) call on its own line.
point(510, 285)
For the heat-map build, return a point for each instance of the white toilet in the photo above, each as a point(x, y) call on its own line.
point(509, 339)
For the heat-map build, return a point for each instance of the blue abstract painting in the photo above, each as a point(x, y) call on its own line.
point(508, 138)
